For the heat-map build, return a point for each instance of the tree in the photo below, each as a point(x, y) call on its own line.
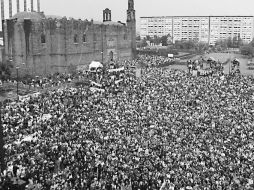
point(201, 47)
point(252, 43)
point(156, 40)
point(240, 42)
point(164, 40)
point(170, 40)
point(230, 42)
point(143, 43)
point(237, 42)
point(148, 38)
point(190, 44)
point(234, 42)
point(221, 44)
point(247, 50)
point(5, 70)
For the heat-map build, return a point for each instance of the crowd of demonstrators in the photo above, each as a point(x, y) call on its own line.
point(49, 81)
point(205, 67)
point(154, 60)
point(235, 66)
point(40, 82)
point(58, 79)
point(169, 130)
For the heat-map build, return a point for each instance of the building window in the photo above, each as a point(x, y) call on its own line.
point(84, 37)
point(75, 39)
point(125, 36)
point(43, 38)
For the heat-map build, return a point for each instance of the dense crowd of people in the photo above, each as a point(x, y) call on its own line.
point(154, 61)
point(40, 82)
point(204, 67)
point(58, 79)
point(168, 130)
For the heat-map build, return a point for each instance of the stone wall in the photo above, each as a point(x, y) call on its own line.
point(60, 52)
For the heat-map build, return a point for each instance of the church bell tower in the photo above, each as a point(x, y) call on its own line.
point(131, 24)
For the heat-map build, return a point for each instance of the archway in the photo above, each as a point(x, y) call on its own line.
point(111, 56)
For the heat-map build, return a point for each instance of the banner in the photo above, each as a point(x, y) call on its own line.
point(28, 138)
point(24, 98)
point(195, 73)
point(93, 89)
point(46, 117)
point(27, 97)
point(118, 81)
point(138, 72)
point(96, 84)
point(116, 70)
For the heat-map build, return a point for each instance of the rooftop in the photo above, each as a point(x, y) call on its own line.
point(108, 23)
point(29, 15)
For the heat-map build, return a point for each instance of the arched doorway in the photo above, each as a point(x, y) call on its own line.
point(111, 56)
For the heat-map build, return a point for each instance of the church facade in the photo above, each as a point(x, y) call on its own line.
point(40, 45)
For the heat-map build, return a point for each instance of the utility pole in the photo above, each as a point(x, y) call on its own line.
point(102, 46)
point(17, 68)
point(2, 152)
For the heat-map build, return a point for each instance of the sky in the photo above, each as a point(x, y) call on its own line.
point(92, 9)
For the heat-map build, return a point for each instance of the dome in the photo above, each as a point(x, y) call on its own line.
point(28, 15)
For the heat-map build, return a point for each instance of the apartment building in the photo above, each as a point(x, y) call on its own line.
point(156, 26)
point(190, 28)
point(231, 26)
point(202, 28)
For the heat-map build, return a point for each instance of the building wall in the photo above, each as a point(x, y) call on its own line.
point(203, 28)
point(191, 28)
point(60, 52)
point(1, 54)
point(225, 27)
point(159, 26)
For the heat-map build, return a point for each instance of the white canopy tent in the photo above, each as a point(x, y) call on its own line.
point(94, 65)
point(211, 59)
point(171, 55)
point(236, 61)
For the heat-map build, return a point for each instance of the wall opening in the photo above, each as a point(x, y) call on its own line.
point(28, 30)
point(75, 39)
point(43, 38)
point(111, 56)
point(84, 37)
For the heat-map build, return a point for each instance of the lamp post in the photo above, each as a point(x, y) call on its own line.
point(17, 69)
point(229, 64)
point(102, 57)
point(2, 152)
point(102, 44)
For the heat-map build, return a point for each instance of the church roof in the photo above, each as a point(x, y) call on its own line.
point(28, 15)
point(108, 23)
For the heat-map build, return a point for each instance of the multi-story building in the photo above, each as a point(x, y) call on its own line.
point(190, 28)
point(202, 28)
point(156, 26)
point(231, 26)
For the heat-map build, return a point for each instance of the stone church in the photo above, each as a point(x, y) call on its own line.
point(40, 45)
